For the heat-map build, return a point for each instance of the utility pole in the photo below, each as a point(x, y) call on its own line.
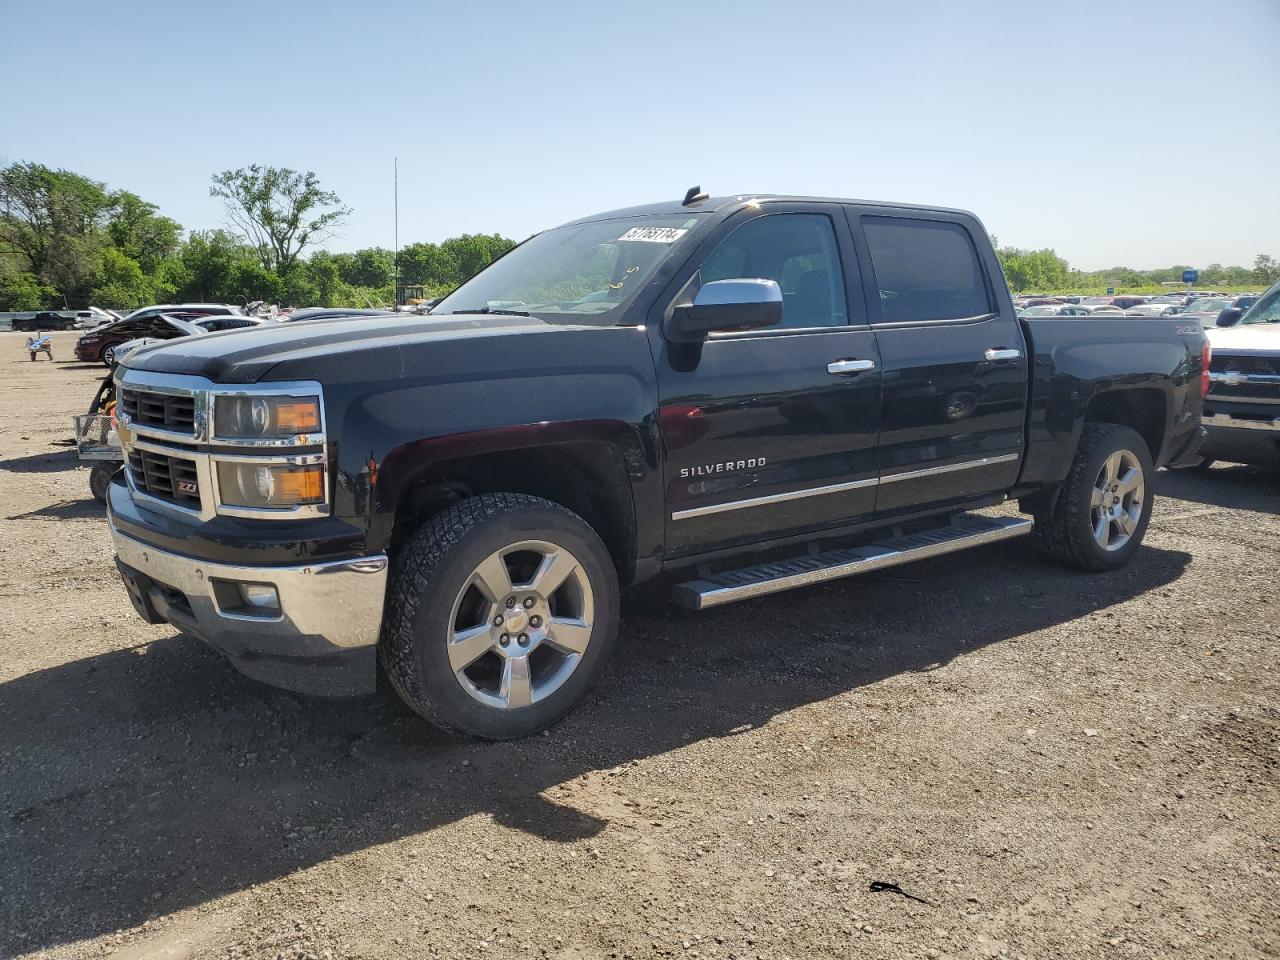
point(396, 161)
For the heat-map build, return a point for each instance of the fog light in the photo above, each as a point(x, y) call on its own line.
point(260, 595)
point(239, 599)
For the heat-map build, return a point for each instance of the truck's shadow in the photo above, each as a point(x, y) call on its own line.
point(146, 780)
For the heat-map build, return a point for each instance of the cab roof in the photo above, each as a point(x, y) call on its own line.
point(723, 206)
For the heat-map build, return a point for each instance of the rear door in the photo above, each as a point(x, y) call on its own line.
point(954, 388)
point(772, 432)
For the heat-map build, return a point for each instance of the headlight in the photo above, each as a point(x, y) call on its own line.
point(270, 485)
point(265, 418)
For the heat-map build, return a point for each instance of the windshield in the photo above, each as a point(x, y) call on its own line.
point(583, 272)
point(1267, 309)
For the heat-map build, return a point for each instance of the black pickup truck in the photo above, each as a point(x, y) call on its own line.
point(745, 394)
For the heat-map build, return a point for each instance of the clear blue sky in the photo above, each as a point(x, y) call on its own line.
point(1139, 132)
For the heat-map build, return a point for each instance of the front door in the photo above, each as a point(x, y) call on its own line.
point(772, 432)
point(954, 394)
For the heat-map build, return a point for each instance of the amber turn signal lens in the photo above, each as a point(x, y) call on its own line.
point(301, 416)
point(301, 485)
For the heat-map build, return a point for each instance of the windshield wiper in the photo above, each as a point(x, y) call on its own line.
point(508, 313)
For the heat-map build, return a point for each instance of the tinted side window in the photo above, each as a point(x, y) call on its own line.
point(925, 269)
point(799, 251)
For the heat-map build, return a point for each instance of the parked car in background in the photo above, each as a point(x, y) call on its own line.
point(334, 313)
point(1104, 310)
point(1128, 300)
point(1055, 310)
point(187, 328)
point(1152, 309)
point(95, 317)
point(45, 320)
point(101, 344)
point(1206, 309)
point(1242, 410)
point(186, 311)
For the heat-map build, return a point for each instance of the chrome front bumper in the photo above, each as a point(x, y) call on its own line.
point(321, 638)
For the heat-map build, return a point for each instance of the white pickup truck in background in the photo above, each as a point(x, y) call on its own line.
point(1242, 411)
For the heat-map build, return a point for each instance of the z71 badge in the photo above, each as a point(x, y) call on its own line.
point(706, 469)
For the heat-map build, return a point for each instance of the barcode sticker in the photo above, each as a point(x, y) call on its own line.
point(654, 234)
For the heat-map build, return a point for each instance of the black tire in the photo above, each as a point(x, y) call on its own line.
point(1066, 531)
point(100, 480)
point(432, 572)
point(108, 355)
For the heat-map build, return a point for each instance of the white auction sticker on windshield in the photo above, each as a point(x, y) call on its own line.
point(654, 234)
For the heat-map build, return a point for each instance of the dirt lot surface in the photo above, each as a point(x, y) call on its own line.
point(1055, 765)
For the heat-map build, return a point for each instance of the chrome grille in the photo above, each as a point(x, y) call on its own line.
point(1266, 366)
point(167, 477)
point(171, 411)
point(1245, 378)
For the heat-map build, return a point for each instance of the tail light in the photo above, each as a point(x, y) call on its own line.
point(1206, 356)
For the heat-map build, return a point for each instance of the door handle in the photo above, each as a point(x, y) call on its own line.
point(1002, 353)
point(841, 367)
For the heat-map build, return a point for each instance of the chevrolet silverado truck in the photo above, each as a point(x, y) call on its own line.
point(1242, 411)
point(744, 394)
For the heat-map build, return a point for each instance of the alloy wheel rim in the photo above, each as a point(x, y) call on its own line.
point(1119, 495)
point(520, 625)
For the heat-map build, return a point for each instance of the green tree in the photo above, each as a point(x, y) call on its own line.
point(120, 282)
point(374, 267)
point(138, 231)
point(52, 220)
point(1266, 270)
point(278, 211)
point(24, 291)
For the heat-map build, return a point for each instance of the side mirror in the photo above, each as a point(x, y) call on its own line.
point(727, 305)
point(1230, 317)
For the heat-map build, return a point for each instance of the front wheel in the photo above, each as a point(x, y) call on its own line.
point(1103, 508)
point(108, 355)
point(502, 612)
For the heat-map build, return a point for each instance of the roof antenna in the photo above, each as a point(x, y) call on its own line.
point(695, 195)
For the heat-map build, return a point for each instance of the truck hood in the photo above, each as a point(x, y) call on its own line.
point(246, 356)
point(1255, 338)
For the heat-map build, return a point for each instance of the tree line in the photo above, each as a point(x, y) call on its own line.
point(67, 241)
point(1043, 271)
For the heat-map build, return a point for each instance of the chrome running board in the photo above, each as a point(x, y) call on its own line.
point(966, 531)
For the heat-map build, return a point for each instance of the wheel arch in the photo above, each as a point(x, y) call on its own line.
point(591, 473)
point(1143, 409)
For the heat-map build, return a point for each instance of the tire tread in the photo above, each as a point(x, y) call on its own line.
point(429, 548)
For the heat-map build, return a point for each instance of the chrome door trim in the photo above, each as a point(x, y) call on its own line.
point(950, 468)
point(1002, 353)
point(839, 487)
point(772, 498)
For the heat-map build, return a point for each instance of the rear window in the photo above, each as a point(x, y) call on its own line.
point(925, 270)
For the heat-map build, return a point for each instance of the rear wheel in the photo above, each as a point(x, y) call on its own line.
point(503, 611)
point(1102, 510)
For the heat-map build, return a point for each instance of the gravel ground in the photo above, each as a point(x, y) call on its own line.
point(1051, 764)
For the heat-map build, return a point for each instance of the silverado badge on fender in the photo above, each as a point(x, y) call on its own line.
point(705, 469)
